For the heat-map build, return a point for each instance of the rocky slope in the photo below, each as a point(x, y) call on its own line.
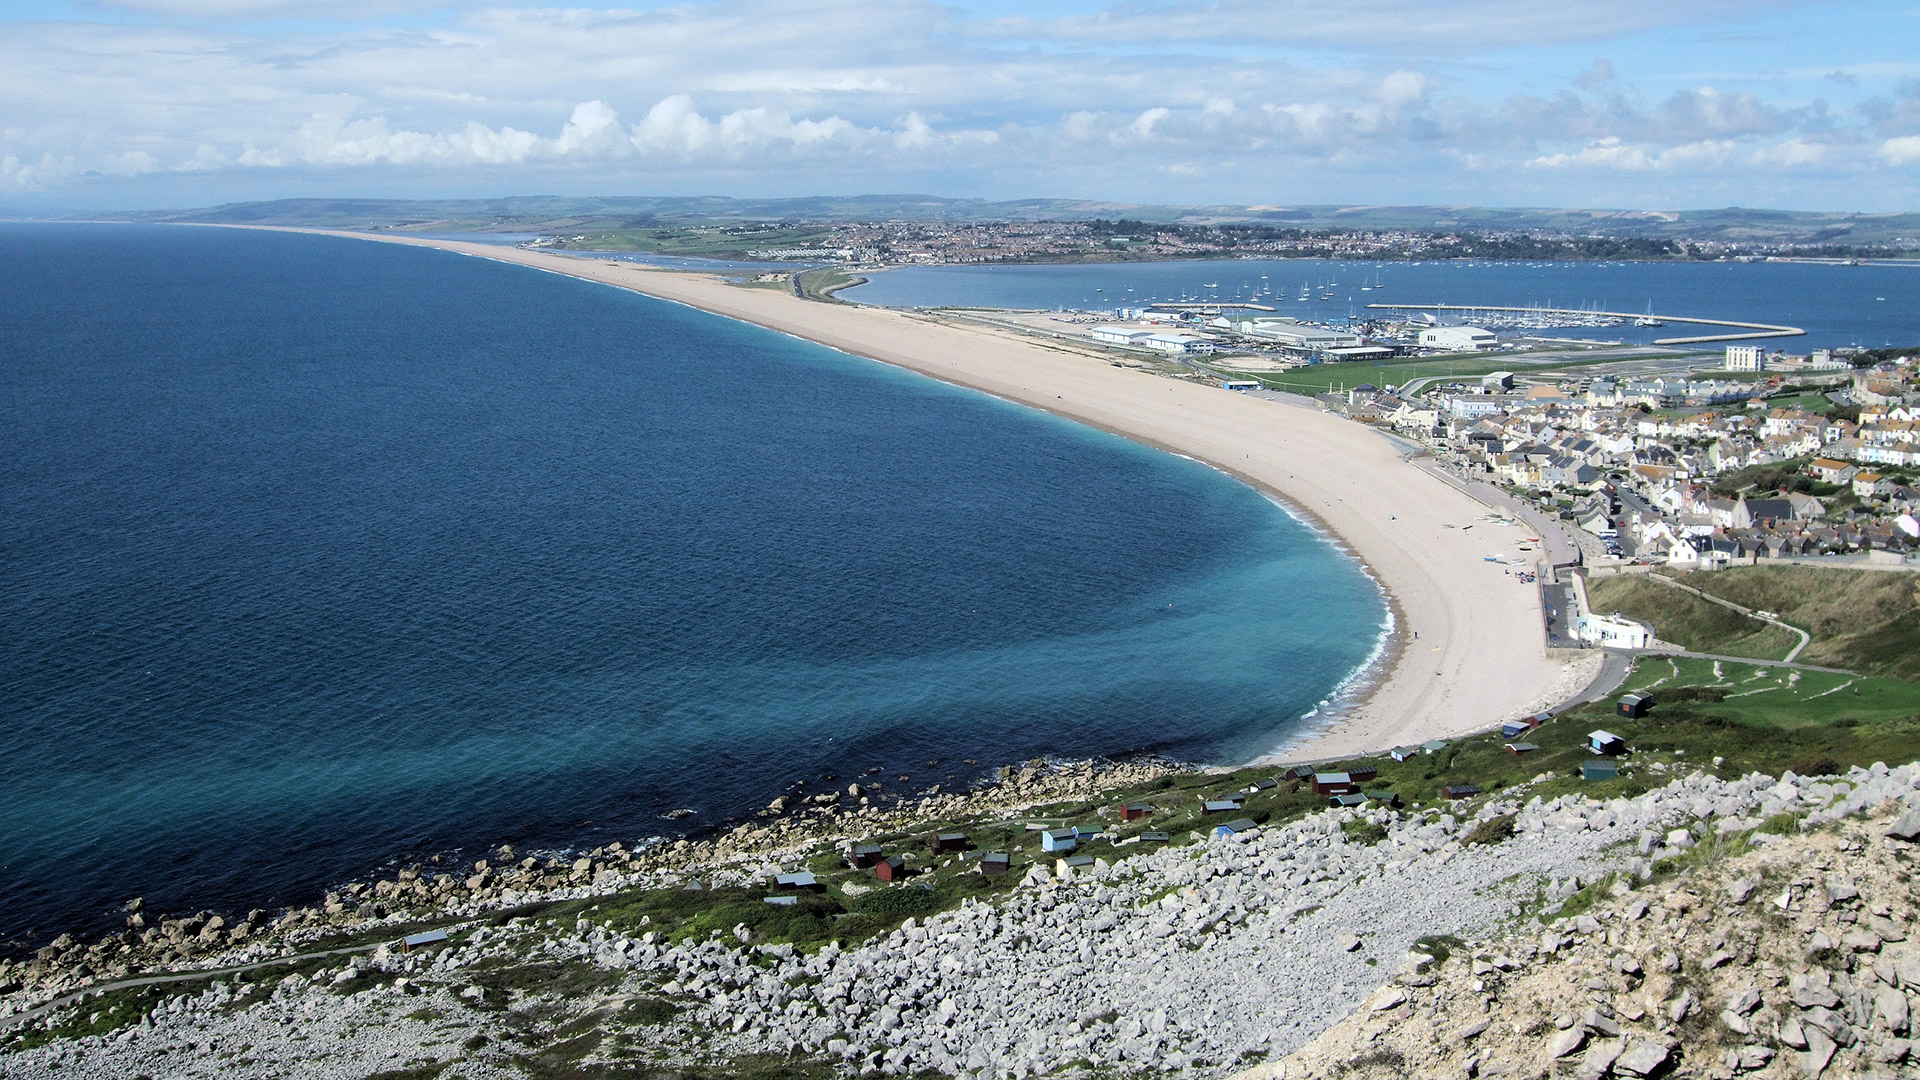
point(1664, 946)
point(1790, 960)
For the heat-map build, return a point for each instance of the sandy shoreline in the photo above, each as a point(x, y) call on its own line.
point(1478, 656)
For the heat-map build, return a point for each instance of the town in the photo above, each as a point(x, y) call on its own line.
point(1694, 461)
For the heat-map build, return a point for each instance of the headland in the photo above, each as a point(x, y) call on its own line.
point(1466, 646)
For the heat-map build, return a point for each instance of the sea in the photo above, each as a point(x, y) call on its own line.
point(1871, 306)
point(318, 556)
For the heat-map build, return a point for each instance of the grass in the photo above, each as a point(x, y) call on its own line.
point(1755, 696)
point(708, 241)
point(823, 283)
point(1862, 620)
point(1688, 621)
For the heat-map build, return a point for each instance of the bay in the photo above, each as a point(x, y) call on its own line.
point(317, 555)
point(1869, 306)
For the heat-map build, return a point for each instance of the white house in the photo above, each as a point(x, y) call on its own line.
point(1613, 632)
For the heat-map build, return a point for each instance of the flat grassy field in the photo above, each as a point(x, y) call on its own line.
point(1861, 620)
point(1688, 621)
point(1315, 378)
point(1757, 696)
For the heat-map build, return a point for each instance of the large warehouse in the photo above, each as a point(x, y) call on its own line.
point(1458, 339)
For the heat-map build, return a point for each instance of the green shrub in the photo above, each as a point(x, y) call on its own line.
point(1491, 831)
point(908, 900)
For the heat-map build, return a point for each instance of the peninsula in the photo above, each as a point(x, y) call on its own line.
point(1467, 645)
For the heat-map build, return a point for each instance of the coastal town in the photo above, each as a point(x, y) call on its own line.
point(1099, 239)
point(1697, 461)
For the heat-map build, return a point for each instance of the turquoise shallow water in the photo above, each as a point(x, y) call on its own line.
point(317, 554)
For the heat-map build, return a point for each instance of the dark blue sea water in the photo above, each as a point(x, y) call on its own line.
point(1871, 306)
point(319, 553)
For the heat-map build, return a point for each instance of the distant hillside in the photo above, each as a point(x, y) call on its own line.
point(545, 213)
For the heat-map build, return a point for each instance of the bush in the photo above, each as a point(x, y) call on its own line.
point(1694, 693)
point(1818, 766)
point(805, 927)
point(1364, 832)
point(908, 900)
point(1491, 831)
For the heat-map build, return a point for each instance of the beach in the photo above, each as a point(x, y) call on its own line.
point(1467, 646)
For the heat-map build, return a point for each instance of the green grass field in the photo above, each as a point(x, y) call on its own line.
point(1862, 620)
point(1314, 378)
point(1757, 696)
point(710, 241)
point(1688, 621)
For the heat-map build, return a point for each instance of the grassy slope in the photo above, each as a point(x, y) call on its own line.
point(1687, 620)
point(1863, 620)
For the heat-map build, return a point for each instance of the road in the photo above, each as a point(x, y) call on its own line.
point(19, 1019)
point(1657, 653)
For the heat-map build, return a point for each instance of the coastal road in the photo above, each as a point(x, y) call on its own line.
point(8, 1024)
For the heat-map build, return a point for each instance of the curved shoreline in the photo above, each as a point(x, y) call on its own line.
point(1480, 629)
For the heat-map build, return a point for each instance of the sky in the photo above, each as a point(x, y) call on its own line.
point(1630, 104)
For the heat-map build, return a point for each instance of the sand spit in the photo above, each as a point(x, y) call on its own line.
point(1468, 646)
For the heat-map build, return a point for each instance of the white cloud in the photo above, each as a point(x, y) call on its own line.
point(1143, 124)
point(1904, 150)
point(1612, 154)
point(696, 94)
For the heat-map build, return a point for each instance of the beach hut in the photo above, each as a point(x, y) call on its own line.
point(1237, 825)
point(1521, 747)
point(1514, 727)
point(1220, 806)
point(1264, 784)
point(1459, 791)
point(1155, 837)
point(1075, 862)
point(799, 879)
point(994, 862)
point(1539, 718)
point(422, 940)
point(1134, 811)
point(948, 843)
point(1332, 783)
point(1635, 705)
point(1059, 839)
point(1606, 742)
point(864, 855)
point(1383, 796)
point(891, 868)
point(1298, 772)
point(1433, 746)
point(1347, 800)
point(1600, 769)
point(1402, 753)
point(1364, 774)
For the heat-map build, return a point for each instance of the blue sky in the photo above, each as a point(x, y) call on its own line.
point(1641, 104)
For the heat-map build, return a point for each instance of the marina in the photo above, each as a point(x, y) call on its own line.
point(1749, 330)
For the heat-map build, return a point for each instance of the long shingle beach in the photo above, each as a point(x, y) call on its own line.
point(1480, 656)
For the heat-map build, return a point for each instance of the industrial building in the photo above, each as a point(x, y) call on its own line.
point(1458, 339)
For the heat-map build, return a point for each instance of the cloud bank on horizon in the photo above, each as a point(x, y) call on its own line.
point(1619, 103)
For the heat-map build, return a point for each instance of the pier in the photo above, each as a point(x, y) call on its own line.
point(1747, 329)
point(1207, 307)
